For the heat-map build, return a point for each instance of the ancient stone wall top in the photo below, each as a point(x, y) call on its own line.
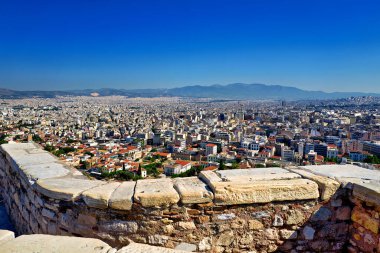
point(52, 178)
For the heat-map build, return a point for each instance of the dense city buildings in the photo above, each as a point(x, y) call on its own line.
point(132, 138)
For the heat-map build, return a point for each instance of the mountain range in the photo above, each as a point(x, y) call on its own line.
point(238, 91)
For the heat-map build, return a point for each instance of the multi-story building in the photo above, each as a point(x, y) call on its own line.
point(321, 149)
point(211, 149)
point(287, 154)
point(332, 151)
point(357, 156)
point(372, 147)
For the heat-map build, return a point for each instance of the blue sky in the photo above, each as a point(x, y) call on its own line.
point(314, 44)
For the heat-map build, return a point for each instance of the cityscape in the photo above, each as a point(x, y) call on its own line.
point(134, 138)
point(227, 126)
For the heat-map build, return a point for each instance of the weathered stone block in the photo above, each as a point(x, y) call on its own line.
point(327, 186)
point(65, 188)
point(121, 198)
point(155, 192)
point(369, 192)
point(193, 190)
point(99, 196)
point(232, 193)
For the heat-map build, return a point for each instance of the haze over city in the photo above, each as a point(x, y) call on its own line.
point(312, 45)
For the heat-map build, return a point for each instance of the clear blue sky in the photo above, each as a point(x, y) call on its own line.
point(310, 44)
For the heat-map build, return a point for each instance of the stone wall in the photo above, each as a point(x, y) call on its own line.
point(364, 229)
point(255, 210)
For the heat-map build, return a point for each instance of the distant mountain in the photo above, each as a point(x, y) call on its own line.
point(231, 91)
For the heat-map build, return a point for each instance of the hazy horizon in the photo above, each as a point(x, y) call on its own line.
point(318, 46)
point(353, 91)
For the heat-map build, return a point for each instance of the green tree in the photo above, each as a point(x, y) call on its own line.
point(222, 166)
point(2, 139)
point(37, 138)
point(374, 159)
point(235, 165)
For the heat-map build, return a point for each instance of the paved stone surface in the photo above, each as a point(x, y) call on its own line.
point(155, 192)
point(122, 197)
point(56, 244)
point(99, 196)
point(6, 235)
point(193, 190)
point(143, 248)
point(46, 170)
point(343, 172)
point(327, 186)
point(35, 162)
point(256, 174)
point(27, 154)
point(65, 188)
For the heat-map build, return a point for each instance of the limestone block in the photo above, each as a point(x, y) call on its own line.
point(56, 244)
point(256, 174)
point(143, 248)
point(369, 192)
point(67, 189)
point(155, 192)
point(192, 190)
point(327, 186)
point(99, 196)
point(121, 198)
point(209, 177)
point(6, 235)
point(244, 192)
